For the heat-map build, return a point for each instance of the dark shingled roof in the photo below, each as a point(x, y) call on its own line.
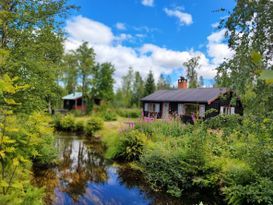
point(200, 95)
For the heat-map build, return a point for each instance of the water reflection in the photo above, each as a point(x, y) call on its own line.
point(84, 177)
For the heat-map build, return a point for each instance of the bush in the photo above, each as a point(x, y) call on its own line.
point(259, 192)
point(180, 164)
point(224, 121)
point(57, 121)
point(79, 126)
point(129, 113)
point(68, 123)
point(129, 146)
point(92, 125)
point(172, 128)
point(109, 115)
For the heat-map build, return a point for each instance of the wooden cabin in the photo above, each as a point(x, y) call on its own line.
point(74, 101)
point(190, 103)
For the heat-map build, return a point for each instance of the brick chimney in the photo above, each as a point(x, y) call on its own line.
point(182, 83)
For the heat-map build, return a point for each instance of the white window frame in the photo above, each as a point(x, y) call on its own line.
point(227, 110)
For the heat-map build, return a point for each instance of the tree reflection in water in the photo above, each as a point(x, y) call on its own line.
point(79, 164)
point(83, 176)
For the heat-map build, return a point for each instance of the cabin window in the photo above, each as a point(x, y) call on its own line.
point(191, 108)
point(202, 110)
point(146, 107)
point(153, 107)
point(181, 109)
point(227, 110)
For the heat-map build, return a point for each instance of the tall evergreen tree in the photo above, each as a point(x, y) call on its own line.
point(149, 84)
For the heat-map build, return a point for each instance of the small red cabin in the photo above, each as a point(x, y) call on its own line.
point(74, 101)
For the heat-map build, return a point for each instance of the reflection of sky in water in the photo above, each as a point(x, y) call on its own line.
point(110, 192)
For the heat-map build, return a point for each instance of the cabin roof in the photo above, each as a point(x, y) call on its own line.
point(73, 96)
point(199, 95)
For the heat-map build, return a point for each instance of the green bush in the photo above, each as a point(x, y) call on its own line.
point(180, 164)
point(79, 126)
point(93, 125)
point(68, 123)
point(109, 115)
point(57, 121)
point(172, 128)
point(259, 192)
point(224, 121)
point(130, 146)
point(129, 113)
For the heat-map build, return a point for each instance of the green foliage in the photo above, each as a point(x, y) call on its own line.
point(130, 146)
point(129, 112)
point(93, 125)
point(259, 192)
point(24, 139)
point(192, 65)
point(180, 164)
point(224, 122)
point(68, 123)
point(108, 116)
point(172, 128)
point(103, 82)
point(149, 87)
point(79, 126)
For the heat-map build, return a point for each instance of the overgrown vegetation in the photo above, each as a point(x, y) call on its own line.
point(181, 158)
point(69, 123)
point(24, 139)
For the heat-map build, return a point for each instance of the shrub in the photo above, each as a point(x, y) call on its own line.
point(68, 123)
point(130, 146)
point(109, 115)
point(57, 121)
point(172, 128)
point(259, 192)
point(224, 121)
point(129, 113)
point(79, 126)
point(180, 164)
point(92, 125)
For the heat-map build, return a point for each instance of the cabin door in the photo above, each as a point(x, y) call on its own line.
point(165, 114)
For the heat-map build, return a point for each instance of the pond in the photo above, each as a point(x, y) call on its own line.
point(84, 176)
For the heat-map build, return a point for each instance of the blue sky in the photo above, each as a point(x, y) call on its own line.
point(157, 35)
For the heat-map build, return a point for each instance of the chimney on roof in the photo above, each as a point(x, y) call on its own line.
point(182, 83)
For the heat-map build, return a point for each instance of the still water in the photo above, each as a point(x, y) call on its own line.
point(85, 177)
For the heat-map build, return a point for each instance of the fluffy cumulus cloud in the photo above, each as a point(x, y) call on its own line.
point(183, 17)
point(218, 50)
point(110, 48)
point(147, 2)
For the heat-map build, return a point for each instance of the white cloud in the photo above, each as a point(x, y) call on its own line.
point(184, 18)
point(120, 26)
point(110, 48)
point(147, 2)
point(218, 50)
point(89, 30)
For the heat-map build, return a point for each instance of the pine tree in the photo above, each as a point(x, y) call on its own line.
point(149, 84)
